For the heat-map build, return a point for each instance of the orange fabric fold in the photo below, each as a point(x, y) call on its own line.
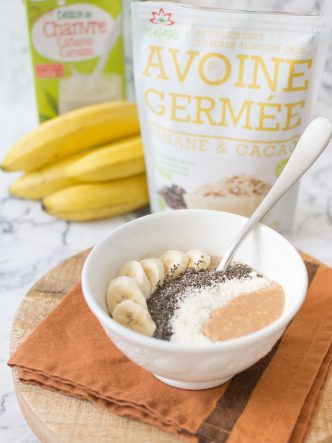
point(271, 402)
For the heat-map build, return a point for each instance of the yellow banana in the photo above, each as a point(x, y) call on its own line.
point(94, 201)
point(120, 159)
point(70, 133)
point(45, 181)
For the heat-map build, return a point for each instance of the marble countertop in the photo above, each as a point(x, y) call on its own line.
point(32, 242)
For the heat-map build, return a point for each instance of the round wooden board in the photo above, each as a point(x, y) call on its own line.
point(56, 418)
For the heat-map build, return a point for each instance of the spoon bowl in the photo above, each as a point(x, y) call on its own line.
point(194, 366)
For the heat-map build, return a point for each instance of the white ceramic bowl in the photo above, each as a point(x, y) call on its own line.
point(193, 366)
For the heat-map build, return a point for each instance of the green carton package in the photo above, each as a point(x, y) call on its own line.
point(77, 53)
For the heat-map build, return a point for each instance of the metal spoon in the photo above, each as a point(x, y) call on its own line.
point(310, 146)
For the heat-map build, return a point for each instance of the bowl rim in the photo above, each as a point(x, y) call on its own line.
point(160, 344)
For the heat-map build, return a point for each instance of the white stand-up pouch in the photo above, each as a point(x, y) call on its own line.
point(223, 98)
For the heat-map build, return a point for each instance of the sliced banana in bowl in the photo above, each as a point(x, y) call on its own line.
point(155, 272)
point(137, 281)
point(124, 288)
point(135, 270)
point(135, 317)
point(175, 263)
point(198, 260)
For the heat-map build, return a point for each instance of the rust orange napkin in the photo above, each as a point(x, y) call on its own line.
point(271, 402)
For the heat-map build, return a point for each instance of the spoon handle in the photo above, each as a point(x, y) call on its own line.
point(310, 146)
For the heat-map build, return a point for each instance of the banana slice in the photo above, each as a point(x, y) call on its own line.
point(124, 288)
point(155, 272)
point(134, 317)
point(198, 260)
point(134, 270)
point(175, 263)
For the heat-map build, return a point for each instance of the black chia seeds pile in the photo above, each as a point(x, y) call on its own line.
point(164, 301)
point(173, 196)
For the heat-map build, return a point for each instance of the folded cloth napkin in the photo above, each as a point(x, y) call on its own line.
point(271, 402)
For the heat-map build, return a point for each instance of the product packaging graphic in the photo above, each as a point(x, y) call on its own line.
point(77, 53)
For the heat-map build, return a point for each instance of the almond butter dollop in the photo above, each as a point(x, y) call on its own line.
point(246, 314)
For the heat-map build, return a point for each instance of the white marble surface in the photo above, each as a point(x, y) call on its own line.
point(31, 242)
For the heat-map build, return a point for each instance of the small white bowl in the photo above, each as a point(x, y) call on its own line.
point(205, 365)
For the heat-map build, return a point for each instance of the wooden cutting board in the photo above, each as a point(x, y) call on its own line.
point(56, 418)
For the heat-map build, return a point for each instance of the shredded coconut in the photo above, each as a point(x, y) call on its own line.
point(196, 305)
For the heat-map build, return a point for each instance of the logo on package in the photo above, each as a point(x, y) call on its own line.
point(162, 18)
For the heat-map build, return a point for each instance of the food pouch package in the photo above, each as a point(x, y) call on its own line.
point(77, 53)
point(223, 98)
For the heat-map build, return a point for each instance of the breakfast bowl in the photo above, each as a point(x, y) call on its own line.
point(194, 366)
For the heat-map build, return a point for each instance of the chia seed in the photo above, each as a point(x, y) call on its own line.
point(163, 302)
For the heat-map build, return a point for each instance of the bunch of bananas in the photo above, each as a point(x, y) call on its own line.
point(84, 165)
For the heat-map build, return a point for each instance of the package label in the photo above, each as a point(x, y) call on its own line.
point(223, 99)
point(77, 53)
